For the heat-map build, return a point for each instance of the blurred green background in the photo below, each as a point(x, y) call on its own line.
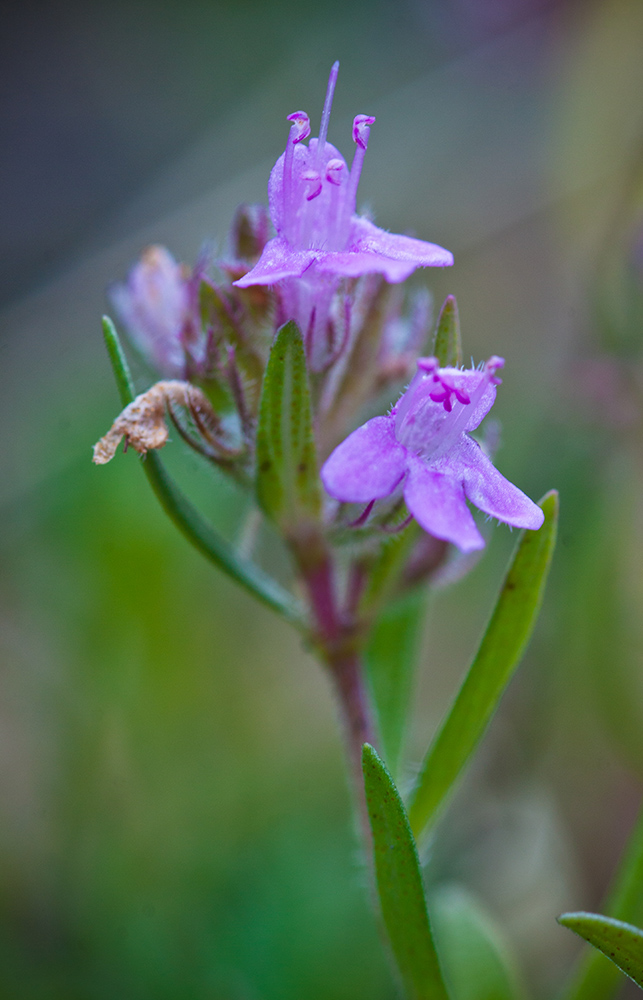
point(175, 819)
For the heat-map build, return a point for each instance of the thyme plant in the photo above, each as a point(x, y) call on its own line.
point(298, 365)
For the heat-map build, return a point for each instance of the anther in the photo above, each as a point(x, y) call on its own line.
point(300, 128)
point(443, 396)
point(361, 129)
point(334, 170)
point(312, 177)
point(445, 387)
point(492, 366)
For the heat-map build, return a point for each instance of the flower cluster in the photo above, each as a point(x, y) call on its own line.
point(320, 240)
point(333, 272)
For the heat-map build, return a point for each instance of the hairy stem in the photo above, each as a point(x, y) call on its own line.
point(348, 674)
point(338, 639)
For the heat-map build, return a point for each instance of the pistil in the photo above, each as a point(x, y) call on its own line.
point(328, 104)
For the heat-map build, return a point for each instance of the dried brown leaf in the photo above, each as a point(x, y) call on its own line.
point(142, 423)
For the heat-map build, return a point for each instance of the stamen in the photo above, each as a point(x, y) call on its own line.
point(328, 103)
point(397, 528)
point(426, 366)
point(448, 390)
point(312, 177)
point(443, 397)
point(411, 411)
point(334, 170)
point(299, 130)
point(455, 426)
point(361, 132)
point(492, 366)
point(363, 517)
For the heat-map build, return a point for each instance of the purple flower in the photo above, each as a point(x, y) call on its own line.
point(422, 446)
point(157, 306)
point(320, 240)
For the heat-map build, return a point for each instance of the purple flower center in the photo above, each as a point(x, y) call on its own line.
point(319, 191)
point(429, 430)
point(321, 241)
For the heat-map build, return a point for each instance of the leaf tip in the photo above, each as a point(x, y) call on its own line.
point(550, 502)
point(447, 339)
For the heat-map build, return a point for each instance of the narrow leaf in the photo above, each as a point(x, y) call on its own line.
point(596, 978)
point(390, 660)
point(399, 884)
point(119, 363)
point(447, 345)
point(187, 518)
point(477, 961)
point(215, 548)
point(620, 942)
point(288, 486)
point(501, 649)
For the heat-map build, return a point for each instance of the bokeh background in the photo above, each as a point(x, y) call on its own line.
point(174, 813)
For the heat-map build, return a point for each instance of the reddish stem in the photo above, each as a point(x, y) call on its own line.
point(319, 581)
point(337, 635)
point(347, 672)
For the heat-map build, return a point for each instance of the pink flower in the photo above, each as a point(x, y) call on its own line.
point(423, 448)
point(320, 240)
point(158, 306)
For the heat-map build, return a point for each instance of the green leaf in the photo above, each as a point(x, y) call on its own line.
point(288, 485)
point(596, 978)
point(447, 345)
point(620, 942)
point(399, 884)
point(476, 959)
point(119, 363)
point(501, 649)
point(390, 660)
point(187, 518)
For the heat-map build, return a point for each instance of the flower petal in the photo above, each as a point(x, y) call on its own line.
point(490, 491)
point(352, 264)
point(368, 465)
point(277, 261)
point(437, 503)
point(369, 238)
point(481, 407)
